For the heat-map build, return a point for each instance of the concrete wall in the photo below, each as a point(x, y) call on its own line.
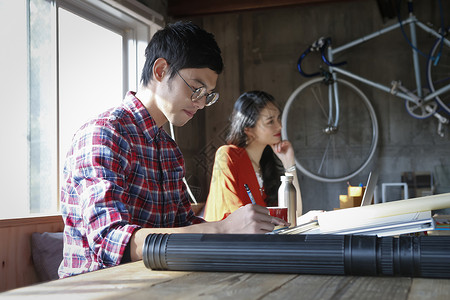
point(260, 50)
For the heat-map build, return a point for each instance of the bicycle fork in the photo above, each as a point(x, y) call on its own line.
point(333, 108)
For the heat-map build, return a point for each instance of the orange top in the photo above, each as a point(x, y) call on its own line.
point(232, 169)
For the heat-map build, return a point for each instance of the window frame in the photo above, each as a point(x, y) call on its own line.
point(115, 16)
point(135, 22)
point(136, 29)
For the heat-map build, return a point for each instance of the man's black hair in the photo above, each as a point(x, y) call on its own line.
point(183, 45)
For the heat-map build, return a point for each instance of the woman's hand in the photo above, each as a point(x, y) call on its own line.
point(285, 152)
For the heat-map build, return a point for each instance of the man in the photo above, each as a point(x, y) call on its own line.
point(123, 173)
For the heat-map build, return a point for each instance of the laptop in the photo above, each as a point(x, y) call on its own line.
point(370, 188)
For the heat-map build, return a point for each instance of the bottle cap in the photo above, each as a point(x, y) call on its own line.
point(287, 177)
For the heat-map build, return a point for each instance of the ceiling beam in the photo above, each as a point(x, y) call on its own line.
point(183, 8)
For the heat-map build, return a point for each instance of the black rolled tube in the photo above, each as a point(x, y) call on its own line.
point(411, 256)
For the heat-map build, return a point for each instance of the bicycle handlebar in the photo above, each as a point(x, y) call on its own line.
point(320, 45)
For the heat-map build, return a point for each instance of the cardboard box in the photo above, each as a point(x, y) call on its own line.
point(355, 191)
point(344, 201)
point(353, 198)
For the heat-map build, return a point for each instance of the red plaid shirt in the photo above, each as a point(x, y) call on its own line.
point(121, 173)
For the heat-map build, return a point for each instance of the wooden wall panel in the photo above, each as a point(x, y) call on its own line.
point(17, 267)
point(201, 136)
point(229, 82)
point(260, 50)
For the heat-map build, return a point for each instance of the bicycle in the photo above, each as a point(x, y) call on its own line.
point(332, 146)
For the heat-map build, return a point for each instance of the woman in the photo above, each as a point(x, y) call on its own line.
point(255, 156)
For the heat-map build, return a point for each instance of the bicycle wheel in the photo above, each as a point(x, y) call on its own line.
point(322, 151)
point(438, 75)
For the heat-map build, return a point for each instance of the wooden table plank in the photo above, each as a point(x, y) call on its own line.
point(343, 287)
point(134, 281)
point(117, 281)
point(204, 285)
point(437, 289)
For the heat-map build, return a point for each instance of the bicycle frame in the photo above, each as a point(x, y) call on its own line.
point(404, 94)
point(326, 138)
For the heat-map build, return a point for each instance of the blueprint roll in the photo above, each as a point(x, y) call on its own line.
point(411, 256)
point(350, 217)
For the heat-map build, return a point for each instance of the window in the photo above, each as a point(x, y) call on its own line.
point(64, 62)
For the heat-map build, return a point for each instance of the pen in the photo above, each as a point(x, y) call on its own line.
point(249, 194)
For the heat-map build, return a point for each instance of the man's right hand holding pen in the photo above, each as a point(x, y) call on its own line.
point(251, 218)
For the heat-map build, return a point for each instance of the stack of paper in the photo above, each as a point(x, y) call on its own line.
point(382, 219)
point(385, 226)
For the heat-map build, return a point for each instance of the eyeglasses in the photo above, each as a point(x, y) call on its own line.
point(197, 94)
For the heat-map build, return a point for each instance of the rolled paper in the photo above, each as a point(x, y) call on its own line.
point(349, 217)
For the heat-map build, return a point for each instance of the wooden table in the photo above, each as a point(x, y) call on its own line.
point(134, 281)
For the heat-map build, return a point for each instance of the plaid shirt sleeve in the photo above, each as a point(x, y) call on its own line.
point(122, 173)
point(97, 220)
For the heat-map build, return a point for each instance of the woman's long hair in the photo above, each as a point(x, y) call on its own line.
point(245, 115)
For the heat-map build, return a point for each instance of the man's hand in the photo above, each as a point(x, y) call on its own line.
point(251, 218)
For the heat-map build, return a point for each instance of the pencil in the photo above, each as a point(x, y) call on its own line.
point(249, 194)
